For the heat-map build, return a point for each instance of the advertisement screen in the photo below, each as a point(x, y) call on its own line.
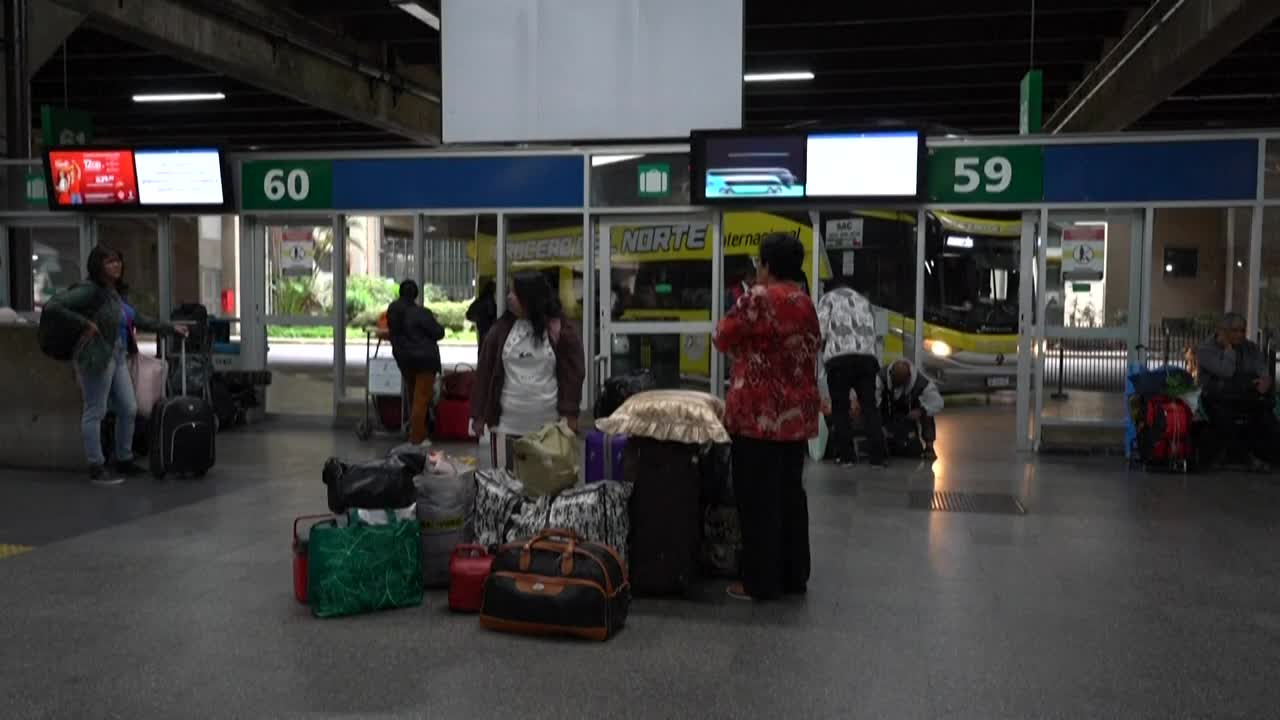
point(92, 178)
point(864, 164)
point(180, 177)
point(754, 167)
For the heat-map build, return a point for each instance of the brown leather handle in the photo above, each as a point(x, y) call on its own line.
point(549, 533)
point(526, 551)
point(566, 559)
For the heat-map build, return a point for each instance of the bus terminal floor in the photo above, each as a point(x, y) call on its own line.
point(1118, 595)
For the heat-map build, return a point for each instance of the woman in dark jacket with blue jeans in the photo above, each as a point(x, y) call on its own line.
point(101, 359)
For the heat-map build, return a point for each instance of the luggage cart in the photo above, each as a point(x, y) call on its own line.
point(383, 381)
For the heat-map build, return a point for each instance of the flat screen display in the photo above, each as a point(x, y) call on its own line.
point(755, 167)
point(80, 178)
point(180, 177)
point(863, 164)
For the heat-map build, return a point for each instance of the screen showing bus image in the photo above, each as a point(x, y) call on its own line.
point(91, 178)
point(880, 164)
point(757, 167)
point(180, 177)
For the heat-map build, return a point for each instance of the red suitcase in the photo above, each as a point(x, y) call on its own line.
point(468, 570)
point(300, 555)
point(453, 419)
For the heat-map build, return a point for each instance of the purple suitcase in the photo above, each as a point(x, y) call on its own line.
point(601, 446)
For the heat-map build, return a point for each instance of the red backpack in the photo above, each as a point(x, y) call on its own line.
point(1166, 436)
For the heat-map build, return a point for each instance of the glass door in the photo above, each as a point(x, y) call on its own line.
point(57, 247)
point(1090, 326)
point(300, 313)
point(661, 291)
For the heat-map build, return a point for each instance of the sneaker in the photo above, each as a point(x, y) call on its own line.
point(129, 469)
point(98, 476)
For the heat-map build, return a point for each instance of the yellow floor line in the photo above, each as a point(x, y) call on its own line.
point(11, 550)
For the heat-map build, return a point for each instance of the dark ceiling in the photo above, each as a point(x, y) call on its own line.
point(925, 62)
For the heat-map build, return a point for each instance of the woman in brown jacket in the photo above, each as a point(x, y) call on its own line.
point(531, 366)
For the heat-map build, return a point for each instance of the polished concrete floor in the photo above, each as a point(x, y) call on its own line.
point(1118, 595)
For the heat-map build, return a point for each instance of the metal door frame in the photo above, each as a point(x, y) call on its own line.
point(254, 315)
point(609, 327)
point(82, 224)
point(1131, 332)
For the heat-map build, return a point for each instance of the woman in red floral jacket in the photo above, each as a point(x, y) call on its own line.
point(772, 336)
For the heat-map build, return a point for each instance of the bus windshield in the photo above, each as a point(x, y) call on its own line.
point(973, 285)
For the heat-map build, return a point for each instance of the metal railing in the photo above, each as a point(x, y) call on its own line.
point(1101, 364)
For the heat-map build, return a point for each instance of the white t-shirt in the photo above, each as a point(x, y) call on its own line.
point(530, 391)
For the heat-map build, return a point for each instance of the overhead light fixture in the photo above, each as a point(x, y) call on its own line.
point(177, 97)
point(599, 160)
point(778, 76)
point(422, 14)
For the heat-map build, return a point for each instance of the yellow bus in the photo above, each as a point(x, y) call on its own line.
point(663, 273)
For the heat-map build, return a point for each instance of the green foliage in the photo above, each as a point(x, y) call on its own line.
point(369, 294)
point(432, 294)
point(296, 296)
point(452, 315)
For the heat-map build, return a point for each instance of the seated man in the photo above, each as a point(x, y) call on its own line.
point(909, 403)
point(1236, 392)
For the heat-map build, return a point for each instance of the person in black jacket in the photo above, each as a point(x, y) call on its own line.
point(484, 311)
point(415, 337)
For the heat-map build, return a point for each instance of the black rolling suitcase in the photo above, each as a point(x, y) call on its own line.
point(666, 513)
point(183, 429)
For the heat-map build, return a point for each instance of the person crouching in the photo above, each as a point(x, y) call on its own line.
point(909, 403)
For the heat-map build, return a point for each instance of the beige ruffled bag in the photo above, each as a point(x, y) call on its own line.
point(684, 416)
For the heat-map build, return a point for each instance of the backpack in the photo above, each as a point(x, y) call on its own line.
point(1165, 437)
point(59, 336)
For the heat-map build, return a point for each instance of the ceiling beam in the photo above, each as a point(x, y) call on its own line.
point(268, 61)
point(1173, 43)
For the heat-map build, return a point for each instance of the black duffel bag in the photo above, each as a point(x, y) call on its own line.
point(369, 485)
point(616, 390)
point(556, 584)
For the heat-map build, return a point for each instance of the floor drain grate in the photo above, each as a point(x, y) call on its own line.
point(967, 502)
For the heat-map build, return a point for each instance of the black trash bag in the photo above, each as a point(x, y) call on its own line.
point(369, 485)
point(616, 390)
point(412, 455)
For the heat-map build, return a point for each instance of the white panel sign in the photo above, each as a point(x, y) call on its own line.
point(844, 234)
point(1084, 252)
point(542, 70)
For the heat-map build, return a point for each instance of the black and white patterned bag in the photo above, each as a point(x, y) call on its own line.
point(528, 519)
point(498, 497)
point(597, 512)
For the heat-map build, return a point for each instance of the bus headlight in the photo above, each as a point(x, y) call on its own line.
point(937, 347)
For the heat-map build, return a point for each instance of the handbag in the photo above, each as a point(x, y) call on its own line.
point(362, 568)
point(460, 383)
point(372, 484)
point(546, 462)
point(557, 584)
point(149, 375)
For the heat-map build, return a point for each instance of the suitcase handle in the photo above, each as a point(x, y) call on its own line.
point(299, 519)
point(467, 550)
point(566, 559)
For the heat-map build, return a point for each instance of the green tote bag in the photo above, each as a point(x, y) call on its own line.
point(360, 568)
